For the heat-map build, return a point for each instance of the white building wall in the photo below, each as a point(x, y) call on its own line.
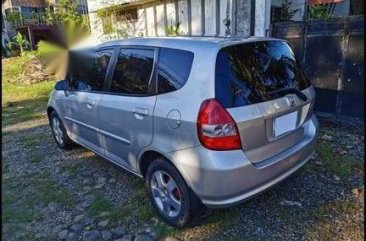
point(193, 19)
point(196, 13)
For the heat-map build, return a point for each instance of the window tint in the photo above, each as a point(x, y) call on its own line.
point(248, 73)
point(88, 70)
point(133, 71)
point(173, 69)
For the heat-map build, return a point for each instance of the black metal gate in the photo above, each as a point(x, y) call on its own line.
point(332, 54)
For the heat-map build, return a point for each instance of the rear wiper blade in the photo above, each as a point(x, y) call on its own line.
point(301, 95)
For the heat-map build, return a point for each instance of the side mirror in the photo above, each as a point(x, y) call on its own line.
point(61, 85)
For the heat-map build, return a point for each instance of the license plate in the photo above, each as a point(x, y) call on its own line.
point(285, 123)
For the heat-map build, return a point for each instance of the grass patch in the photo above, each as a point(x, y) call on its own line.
point(333, 221)
point(142, 204)
point(16, 204)
point(12, 67)
point(34, 158)
point(100, 205)
point(326, 210)
point(18, 193)
point(22, 102)
point(163, 230)
point(19, 92)
point(29, 141)
point(72, 170)
point(48, 191)
point(340, 165)
point(19, 214)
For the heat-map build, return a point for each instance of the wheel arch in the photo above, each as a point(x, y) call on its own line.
point(149, 155)
point(49, 111)
point(146, 158)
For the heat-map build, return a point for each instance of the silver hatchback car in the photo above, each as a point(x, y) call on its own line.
point(207, 122)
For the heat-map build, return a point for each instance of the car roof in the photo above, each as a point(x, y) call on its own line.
point(163, 41)
point(188, 43)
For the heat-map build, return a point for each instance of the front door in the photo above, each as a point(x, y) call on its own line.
point(126, 114)
point(82, 100)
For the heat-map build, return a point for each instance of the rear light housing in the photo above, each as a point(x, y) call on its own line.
point(216, 128)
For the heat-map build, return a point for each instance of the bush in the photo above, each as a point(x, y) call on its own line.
point(12, 48)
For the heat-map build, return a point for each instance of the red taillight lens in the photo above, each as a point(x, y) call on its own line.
point(216, 128)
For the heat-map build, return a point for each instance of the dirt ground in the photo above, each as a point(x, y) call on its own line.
point(51, 194)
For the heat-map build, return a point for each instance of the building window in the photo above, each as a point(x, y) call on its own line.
point(126, 15)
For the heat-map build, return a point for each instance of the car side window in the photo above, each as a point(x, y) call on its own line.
point(89, 70)
point(133, 70)
point(174, 66)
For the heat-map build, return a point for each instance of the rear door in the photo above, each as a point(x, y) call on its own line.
point(126, 112)
point(264, 89)
point(88, 76)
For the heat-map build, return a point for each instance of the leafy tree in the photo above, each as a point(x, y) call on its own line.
point(15, 18)
point(318, 12)
point(72, 23)
point(20, 41)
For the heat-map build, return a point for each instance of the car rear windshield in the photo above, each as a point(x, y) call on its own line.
point(248, 73)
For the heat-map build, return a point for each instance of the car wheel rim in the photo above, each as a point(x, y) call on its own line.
point(166, 193)
point(56, 127)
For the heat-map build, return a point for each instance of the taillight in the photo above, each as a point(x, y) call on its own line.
point(216, 128)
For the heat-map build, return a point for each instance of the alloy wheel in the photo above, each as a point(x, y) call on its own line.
point(56, 128)
point(166, 193)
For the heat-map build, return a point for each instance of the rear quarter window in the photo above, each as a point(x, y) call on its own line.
point(174, 67)
point(247, 73)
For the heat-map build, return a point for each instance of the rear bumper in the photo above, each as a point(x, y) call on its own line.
point(225, 178)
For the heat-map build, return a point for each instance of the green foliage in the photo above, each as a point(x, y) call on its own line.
point(101, 13)
point(340, 165)
point(14, 92)
point(15, 18)
point(173, 30)
point(17, 46)
point(73, 24)
point(12, 49)
point(107, 25)
point(22, 42)
point(49, 17)
point(100, 205)
point(286, 12)
point(318, 12)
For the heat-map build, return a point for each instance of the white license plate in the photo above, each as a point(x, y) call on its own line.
point(285, 123)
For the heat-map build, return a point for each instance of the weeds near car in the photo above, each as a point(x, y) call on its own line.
point(338, 164)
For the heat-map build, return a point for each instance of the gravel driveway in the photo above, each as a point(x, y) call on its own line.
point(50, 194)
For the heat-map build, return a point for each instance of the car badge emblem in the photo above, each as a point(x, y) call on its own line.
point(291, 101)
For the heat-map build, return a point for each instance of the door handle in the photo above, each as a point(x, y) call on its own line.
point(140, 113)
point(70, 95)
point(90, 103)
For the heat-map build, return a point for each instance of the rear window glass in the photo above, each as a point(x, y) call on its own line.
point(248, 73)
point(173, 69)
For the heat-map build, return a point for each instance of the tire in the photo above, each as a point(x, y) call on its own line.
point(59, 132)
point(176, 217)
